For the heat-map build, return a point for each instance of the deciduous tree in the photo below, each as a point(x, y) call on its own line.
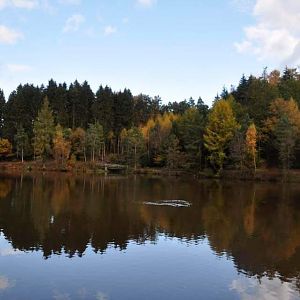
point(61, 147)
point(219, 131)
point(251, 140)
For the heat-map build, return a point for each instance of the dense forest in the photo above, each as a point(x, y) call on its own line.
point(253, 125)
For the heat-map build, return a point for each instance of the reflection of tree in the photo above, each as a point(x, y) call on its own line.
point(5, 187)
point(258, 225)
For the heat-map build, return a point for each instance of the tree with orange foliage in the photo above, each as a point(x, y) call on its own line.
point(61, 147)
point(251, 140)
point(279, 108)
point(5, 147)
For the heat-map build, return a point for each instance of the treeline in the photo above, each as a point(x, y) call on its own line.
point(256, 124)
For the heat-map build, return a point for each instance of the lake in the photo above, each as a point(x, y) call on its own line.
point(103, 238)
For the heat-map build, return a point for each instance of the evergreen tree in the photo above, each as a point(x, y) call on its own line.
point(2, 110)
point(22, 108)
point(190, 129)
point(172, 152)
point(95, 139)
point(237, 149)
point(135, 145)
point(286, 140)
point(22, 142)
point(102, 109)
point(80, 103)
point(123, 113)
point(43, 130)
point(58, 100)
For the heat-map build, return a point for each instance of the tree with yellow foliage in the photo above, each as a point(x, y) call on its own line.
point(251, 140)
point(5, 147)
point(78, 142)
point(155, 133)
point(219, 131)
point(61, 147)
point(279, 108)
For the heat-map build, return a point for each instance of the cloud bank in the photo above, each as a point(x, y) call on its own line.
point(275, 36)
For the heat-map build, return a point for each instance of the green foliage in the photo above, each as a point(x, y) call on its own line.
point(43, 130)
point(118, 126)
point(173, 154)
point(286, 136)
point(95, 139)
point(135, 145)
point(2, 111)
point(22, 142)
point(190, 129)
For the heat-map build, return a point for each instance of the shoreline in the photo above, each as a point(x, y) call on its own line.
point(262, 175)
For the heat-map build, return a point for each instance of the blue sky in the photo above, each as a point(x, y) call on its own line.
point(172, 48)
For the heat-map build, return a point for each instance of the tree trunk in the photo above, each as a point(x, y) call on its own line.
point(135, 157)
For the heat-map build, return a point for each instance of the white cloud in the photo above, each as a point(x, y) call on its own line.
point(266, 289)
point(73, 23)
point(28, 4)
point(9, 36)
point(9, 252)
point(17, 68)
point(5, 283)
point(276, 34)
point(146, 3)
point(109, 30)
point(70, 2)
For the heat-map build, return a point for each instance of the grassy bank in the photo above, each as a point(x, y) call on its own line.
point(85, 168)
point(271, 175)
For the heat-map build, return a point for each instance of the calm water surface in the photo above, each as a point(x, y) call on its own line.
point(104, 238)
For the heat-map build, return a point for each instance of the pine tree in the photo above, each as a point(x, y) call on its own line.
point(22, 142)
point(2, 110)
point(286, 137)
point(43, 130)
point(135, 145)
point(22, 108)
point(172, 152)
point(237, 149)
point(190, 129)
point(95, 140)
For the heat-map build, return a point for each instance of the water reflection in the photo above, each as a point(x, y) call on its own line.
point(257, 226)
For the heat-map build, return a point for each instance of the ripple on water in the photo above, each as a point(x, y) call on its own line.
point(173, 203)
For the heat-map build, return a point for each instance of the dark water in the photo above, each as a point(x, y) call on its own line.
point(107, 238)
